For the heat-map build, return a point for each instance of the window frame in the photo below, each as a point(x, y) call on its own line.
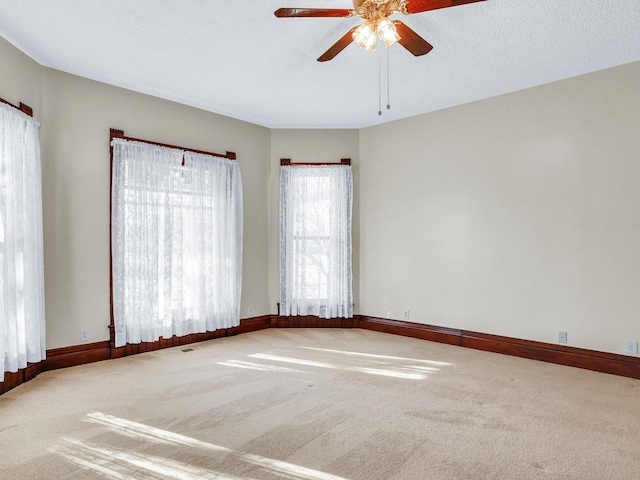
point(11, 380)
point(115, 133)
point(288, 163)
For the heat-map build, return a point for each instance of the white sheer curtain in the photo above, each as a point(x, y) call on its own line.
point(22, 325)
point(315, 240)
point(176, 242)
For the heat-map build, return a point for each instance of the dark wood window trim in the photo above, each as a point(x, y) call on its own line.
point(288, 163)
point(128, 349)
point(23, 107)
point(115, 133)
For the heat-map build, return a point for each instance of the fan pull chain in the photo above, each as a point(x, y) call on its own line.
point(380, 82)
point(388, 82)
point(379, 86)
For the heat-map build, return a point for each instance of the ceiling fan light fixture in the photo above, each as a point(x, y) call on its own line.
point(387, 32)
point(377, 25)
point(366, 36)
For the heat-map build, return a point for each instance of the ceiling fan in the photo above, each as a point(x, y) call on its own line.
point(376, 23)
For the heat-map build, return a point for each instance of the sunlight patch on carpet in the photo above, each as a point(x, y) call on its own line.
point(369, 366)
point(298, 361)
point(125, 464)
point(259, 366)
point(122, 464)
point(382, 357)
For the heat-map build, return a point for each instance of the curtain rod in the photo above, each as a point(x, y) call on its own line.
point(115, 133)
point(23, 107)
point(287, 162)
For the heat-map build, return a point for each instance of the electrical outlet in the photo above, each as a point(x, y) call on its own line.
point(84, 335)
point(562, 337)
point(250, 309)
point(406, 315)
point(631, 347)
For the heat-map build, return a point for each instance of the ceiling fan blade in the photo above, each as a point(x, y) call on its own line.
point(411, 40)
point(417, 6)
point(313, 12)
point(337, 47)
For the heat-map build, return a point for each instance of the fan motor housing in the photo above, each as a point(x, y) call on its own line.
point(376, 9)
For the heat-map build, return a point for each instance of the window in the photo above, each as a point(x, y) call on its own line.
point(176, 242)
point(315, 240)
point(22, 317)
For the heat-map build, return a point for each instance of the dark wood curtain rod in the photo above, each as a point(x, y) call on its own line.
point(115, 133)
point(287, 162)
point(24, 108)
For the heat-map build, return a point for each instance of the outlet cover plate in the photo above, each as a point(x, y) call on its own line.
point(562, 337)
point(406, 314)
point(84, 335)
point(631, 347)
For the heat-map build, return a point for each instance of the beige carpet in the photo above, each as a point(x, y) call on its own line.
point(321, 404)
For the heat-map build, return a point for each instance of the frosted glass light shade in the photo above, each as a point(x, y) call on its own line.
point(365, 36)
point(387, 32)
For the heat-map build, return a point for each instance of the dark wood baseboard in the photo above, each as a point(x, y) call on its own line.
point(251, 325)
point(623, 365)
point(57, 358)
point(246, 325)
point(95, 352)
point(162, 343)
point(433, 333)
point(311, 321)
point(76, 355)
point(604, 362)
point(12, 380)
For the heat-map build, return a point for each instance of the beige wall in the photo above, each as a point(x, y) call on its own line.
point(517, 215)
point(20, 78)
point(309, 146)
point(75, 116)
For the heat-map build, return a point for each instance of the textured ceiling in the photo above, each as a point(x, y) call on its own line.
point(236, 58)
